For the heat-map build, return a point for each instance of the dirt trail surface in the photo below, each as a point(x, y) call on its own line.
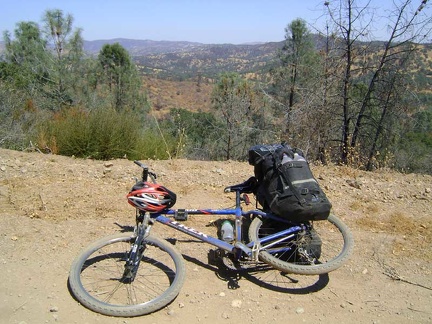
point(51, 207)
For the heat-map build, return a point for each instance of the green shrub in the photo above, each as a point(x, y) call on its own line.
point(103, 134)
point(153, 145)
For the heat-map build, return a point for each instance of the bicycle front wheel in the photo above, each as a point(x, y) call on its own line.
point(324, 247)
point(97, 280)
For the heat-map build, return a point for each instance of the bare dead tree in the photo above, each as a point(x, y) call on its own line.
point(409, 26)
point(349, 21)
point(361, 129)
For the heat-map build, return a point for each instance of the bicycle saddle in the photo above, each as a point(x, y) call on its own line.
point(249, 186)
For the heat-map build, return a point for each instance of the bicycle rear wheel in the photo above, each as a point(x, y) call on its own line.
point(97, 276)
point(324, 247)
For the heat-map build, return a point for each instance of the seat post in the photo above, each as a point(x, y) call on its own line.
point(238, 193)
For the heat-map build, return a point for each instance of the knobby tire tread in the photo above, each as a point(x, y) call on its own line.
point(128, 310)
point(316, 269)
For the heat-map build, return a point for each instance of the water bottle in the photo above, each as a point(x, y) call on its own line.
point(227, 231)
point(286, 159)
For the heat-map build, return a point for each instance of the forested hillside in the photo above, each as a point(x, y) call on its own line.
point(340, 97)
point(174, 74)
point(210, 61)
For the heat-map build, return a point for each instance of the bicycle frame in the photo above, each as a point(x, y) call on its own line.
point(251, 249)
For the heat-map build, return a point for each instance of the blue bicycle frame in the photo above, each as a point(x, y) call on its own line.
point(251, 249)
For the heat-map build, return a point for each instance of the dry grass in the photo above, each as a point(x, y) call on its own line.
point(356, 205)
point(368, 207)
point(413, 237)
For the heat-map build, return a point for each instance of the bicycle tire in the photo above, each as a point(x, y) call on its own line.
point(335, 248)
point(95, 277)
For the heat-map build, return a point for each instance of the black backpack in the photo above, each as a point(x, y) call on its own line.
point(286, 186)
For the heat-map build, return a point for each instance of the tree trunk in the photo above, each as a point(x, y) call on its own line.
point(346, 85)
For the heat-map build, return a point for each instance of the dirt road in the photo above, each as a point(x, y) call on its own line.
point(52, 206)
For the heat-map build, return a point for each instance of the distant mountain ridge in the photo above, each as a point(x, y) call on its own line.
point(138, 47)
point(210, 60)
point(182, 59)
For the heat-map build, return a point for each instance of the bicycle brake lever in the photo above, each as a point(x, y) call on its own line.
point(153, 174)
point(246, 199)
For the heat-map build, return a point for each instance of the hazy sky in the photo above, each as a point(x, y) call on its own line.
point(205, 21)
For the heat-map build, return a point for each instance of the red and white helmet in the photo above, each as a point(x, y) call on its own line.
point(151, 197)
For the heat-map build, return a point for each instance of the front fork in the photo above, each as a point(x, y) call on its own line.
point(141, 231)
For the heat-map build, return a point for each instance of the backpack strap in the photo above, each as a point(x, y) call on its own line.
point(278, 155)
point(296, 193)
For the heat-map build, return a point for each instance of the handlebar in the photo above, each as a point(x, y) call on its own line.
point(142, 165)
point(246, 187)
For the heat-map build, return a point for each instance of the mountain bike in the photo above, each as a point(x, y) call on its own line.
point(136, 273)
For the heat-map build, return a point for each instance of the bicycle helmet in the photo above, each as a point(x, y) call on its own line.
point(151, 197)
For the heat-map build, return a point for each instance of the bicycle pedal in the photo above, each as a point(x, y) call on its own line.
point(181, 215)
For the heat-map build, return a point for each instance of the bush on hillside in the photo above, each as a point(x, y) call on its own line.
point(103, 134)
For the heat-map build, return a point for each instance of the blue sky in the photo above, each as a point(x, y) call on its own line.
point(205, 21)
